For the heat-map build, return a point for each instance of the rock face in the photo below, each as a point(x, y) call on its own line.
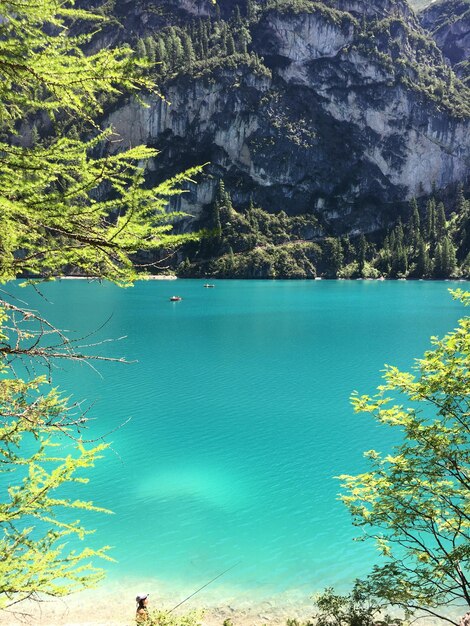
point(334, 123)
point(448, 21)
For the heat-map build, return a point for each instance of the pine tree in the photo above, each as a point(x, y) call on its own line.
point(399, 256)
point(385, 257)
point(415, 225)
point(463, 221)
point(230, 45)
point(461, 204)
point(188, 51)
point(237, 18)
point(205, 39)
point(445, 261)
point(175, 49)
point(333, 255)
point(223, 199)
point(423, 262)
point(161, 56)
point(441, 224)
point(34, 136)
point(223, 39)
point(361, 254)
point(140, 49)
point(150, 48)
point(430, 228)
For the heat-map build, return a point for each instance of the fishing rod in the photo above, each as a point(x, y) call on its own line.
point(203, 587)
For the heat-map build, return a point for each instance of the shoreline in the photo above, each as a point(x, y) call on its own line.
point(172, 277)
point(112, 605)
point(145, 277)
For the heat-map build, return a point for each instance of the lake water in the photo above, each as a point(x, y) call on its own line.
point(239, 420)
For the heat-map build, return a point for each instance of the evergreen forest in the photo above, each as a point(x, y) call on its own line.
point(431, 242)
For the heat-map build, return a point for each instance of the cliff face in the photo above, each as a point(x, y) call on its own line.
point(342, 117)
point(448, 21)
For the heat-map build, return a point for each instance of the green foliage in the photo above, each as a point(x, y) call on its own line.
point(204, 45)
point(357, 608)
point(44, 68)
point(61, 204)
point(51, 211)
point(341, 18)
point(427, 244)
point(35, 530)
point(411, 57)
point(163, 618)
point(415, 501)
point(253, 243)
point(65, 203)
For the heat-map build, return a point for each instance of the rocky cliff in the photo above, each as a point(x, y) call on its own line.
point(344, 109)
point(448, 21)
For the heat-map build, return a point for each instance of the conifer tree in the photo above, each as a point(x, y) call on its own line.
point(161, 56)
point(361, 254)
point(188, 51)
point(175, 49)
point(430, 229)
point(53, 216)
point(415, 225)
point(230, 45)
point(461, 204)
point(333, 255)
point(441, 224)
point(423, 262)
point(237, 18)
point(223, 199)
point(445, 261)
point(463, 221)
point(204, 39)
point(150, 48)
point(141, 49)
point(398, 252)
point(385, 257)
point(222, 36)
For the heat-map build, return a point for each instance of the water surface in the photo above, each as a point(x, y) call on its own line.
point(240, 419)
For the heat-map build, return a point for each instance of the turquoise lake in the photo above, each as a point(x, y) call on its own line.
point(240, 419)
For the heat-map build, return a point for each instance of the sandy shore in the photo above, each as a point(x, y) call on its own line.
point(113, 606)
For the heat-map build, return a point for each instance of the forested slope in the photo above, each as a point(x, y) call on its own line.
point(341, 111)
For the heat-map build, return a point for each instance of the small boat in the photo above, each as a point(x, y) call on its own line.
point(175, 298)
point(208, 285)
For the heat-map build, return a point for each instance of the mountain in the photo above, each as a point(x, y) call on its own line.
point(448, 22)
point(329, 116)
point(344, 109)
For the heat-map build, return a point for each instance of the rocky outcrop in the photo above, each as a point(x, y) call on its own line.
point(337, 124)
point(448, 21)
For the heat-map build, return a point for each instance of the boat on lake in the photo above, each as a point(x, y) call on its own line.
point(209, 285)
point(175, 298)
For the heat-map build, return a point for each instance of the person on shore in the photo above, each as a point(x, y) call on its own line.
point(142, 612)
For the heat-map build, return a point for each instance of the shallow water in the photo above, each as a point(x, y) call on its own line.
point(240, 420)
